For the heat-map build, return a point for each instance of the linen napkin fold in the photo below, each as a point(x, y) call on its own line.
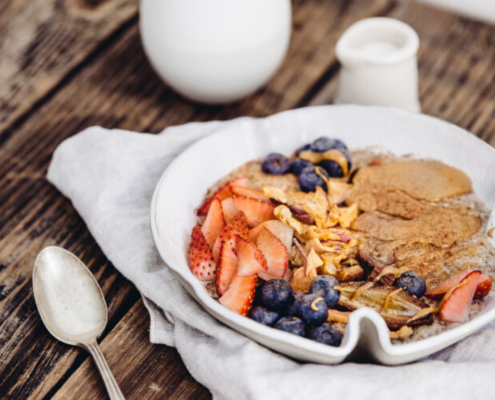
point(110, 176)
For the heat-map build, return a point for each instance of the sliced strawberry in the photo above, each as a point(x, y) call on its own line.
point(229, 209)
point(214, 223)
point(241, 181)
point(216, 248)
point(240, 295)
point(254, 232)
point(244, 191)
point(201, 260)
point(250, 259)
point(276, 255)
point(222, 193)
point(483, 289)
point(457, 302)
point(282, 232)
point(256, 211)
point(267, 276)
point(237, 226)
point(439, 291)
point(227, 268)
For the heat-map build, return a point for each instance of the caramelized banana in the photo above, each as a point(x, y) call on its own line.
point(396, 307)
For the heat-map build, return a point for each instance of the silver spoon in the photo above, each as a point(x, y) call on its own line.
point(72, 306)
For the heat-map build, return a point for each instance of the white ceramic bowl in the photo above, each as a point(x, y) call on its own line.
point(186, 180)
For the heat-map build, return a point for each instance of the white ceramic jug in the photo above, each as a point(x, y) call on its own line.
point(215, 51)
point(379, 64)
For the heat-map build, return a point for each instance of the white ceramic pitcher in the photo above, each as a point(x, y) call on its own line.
point(379, 64)
point(215, 51)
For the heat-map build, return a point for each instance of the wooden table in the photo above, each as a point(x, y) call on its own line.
point(67, 65)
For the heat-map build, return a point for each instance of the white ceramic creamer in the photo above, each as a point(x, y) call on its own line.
point(379, 64)
point(215, 51)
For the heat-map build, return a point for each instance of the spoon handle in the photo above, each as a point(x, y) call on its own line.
point(112, 387)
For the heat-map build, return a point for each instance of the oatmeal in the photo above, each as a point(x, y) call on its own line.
point(298, 244)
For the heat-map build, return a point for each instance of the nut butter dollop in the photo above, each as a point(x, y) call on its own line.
point(391, 197)
point(426, 180)
point(442, 227)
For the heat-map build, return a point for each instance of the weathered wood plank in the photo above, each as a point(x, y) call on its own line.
point(128, 95)
point(44, 40)
point(456, 58)
point(28, 352)
point(154, 372)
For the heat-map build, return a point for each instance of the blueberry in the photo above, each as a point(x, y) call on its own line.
point(348, 156)
point(323, 144)
point(332, 168)
point(326, 334)
point(335, 170)
point(324, 286)
point(294, 310)
point(257, 295)
point(298, 165)
point(263, 316)
point(353, 174)
point(340, 145)
point(292, 325)
point(303, 148)
point(314, 310)
point(309, 179)
point(412, 283)
point(275, 164)
point(277, 294)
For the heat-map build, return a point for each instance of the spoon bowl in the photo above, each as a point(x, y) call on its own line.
point(68, 297)
point(72, 305)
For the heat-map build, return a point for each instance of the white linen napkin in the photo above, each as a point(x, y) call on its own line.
point(110, 175)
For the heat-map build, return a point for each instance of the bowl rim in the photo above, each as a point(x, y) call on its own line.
point(352, 333)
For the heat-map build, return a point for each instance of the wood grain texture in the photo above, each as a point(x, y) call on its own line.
point(153, 372)
point(44, 40)
point(103, 78)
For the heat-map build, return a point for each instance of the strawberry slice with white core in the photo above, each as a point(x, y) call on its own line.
point(229, 209)
point(266, 276)
point(221, 194)
point(203, 266)
point(253, 194)
point(237, 226)
point(250, 260)
point(256, 211)
point(227, 268)
point(240, 295)
point(254, 232)
point(276, 255)
point(282, 232)
point(482, 290)
point(214, 223)
point(457, 302)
